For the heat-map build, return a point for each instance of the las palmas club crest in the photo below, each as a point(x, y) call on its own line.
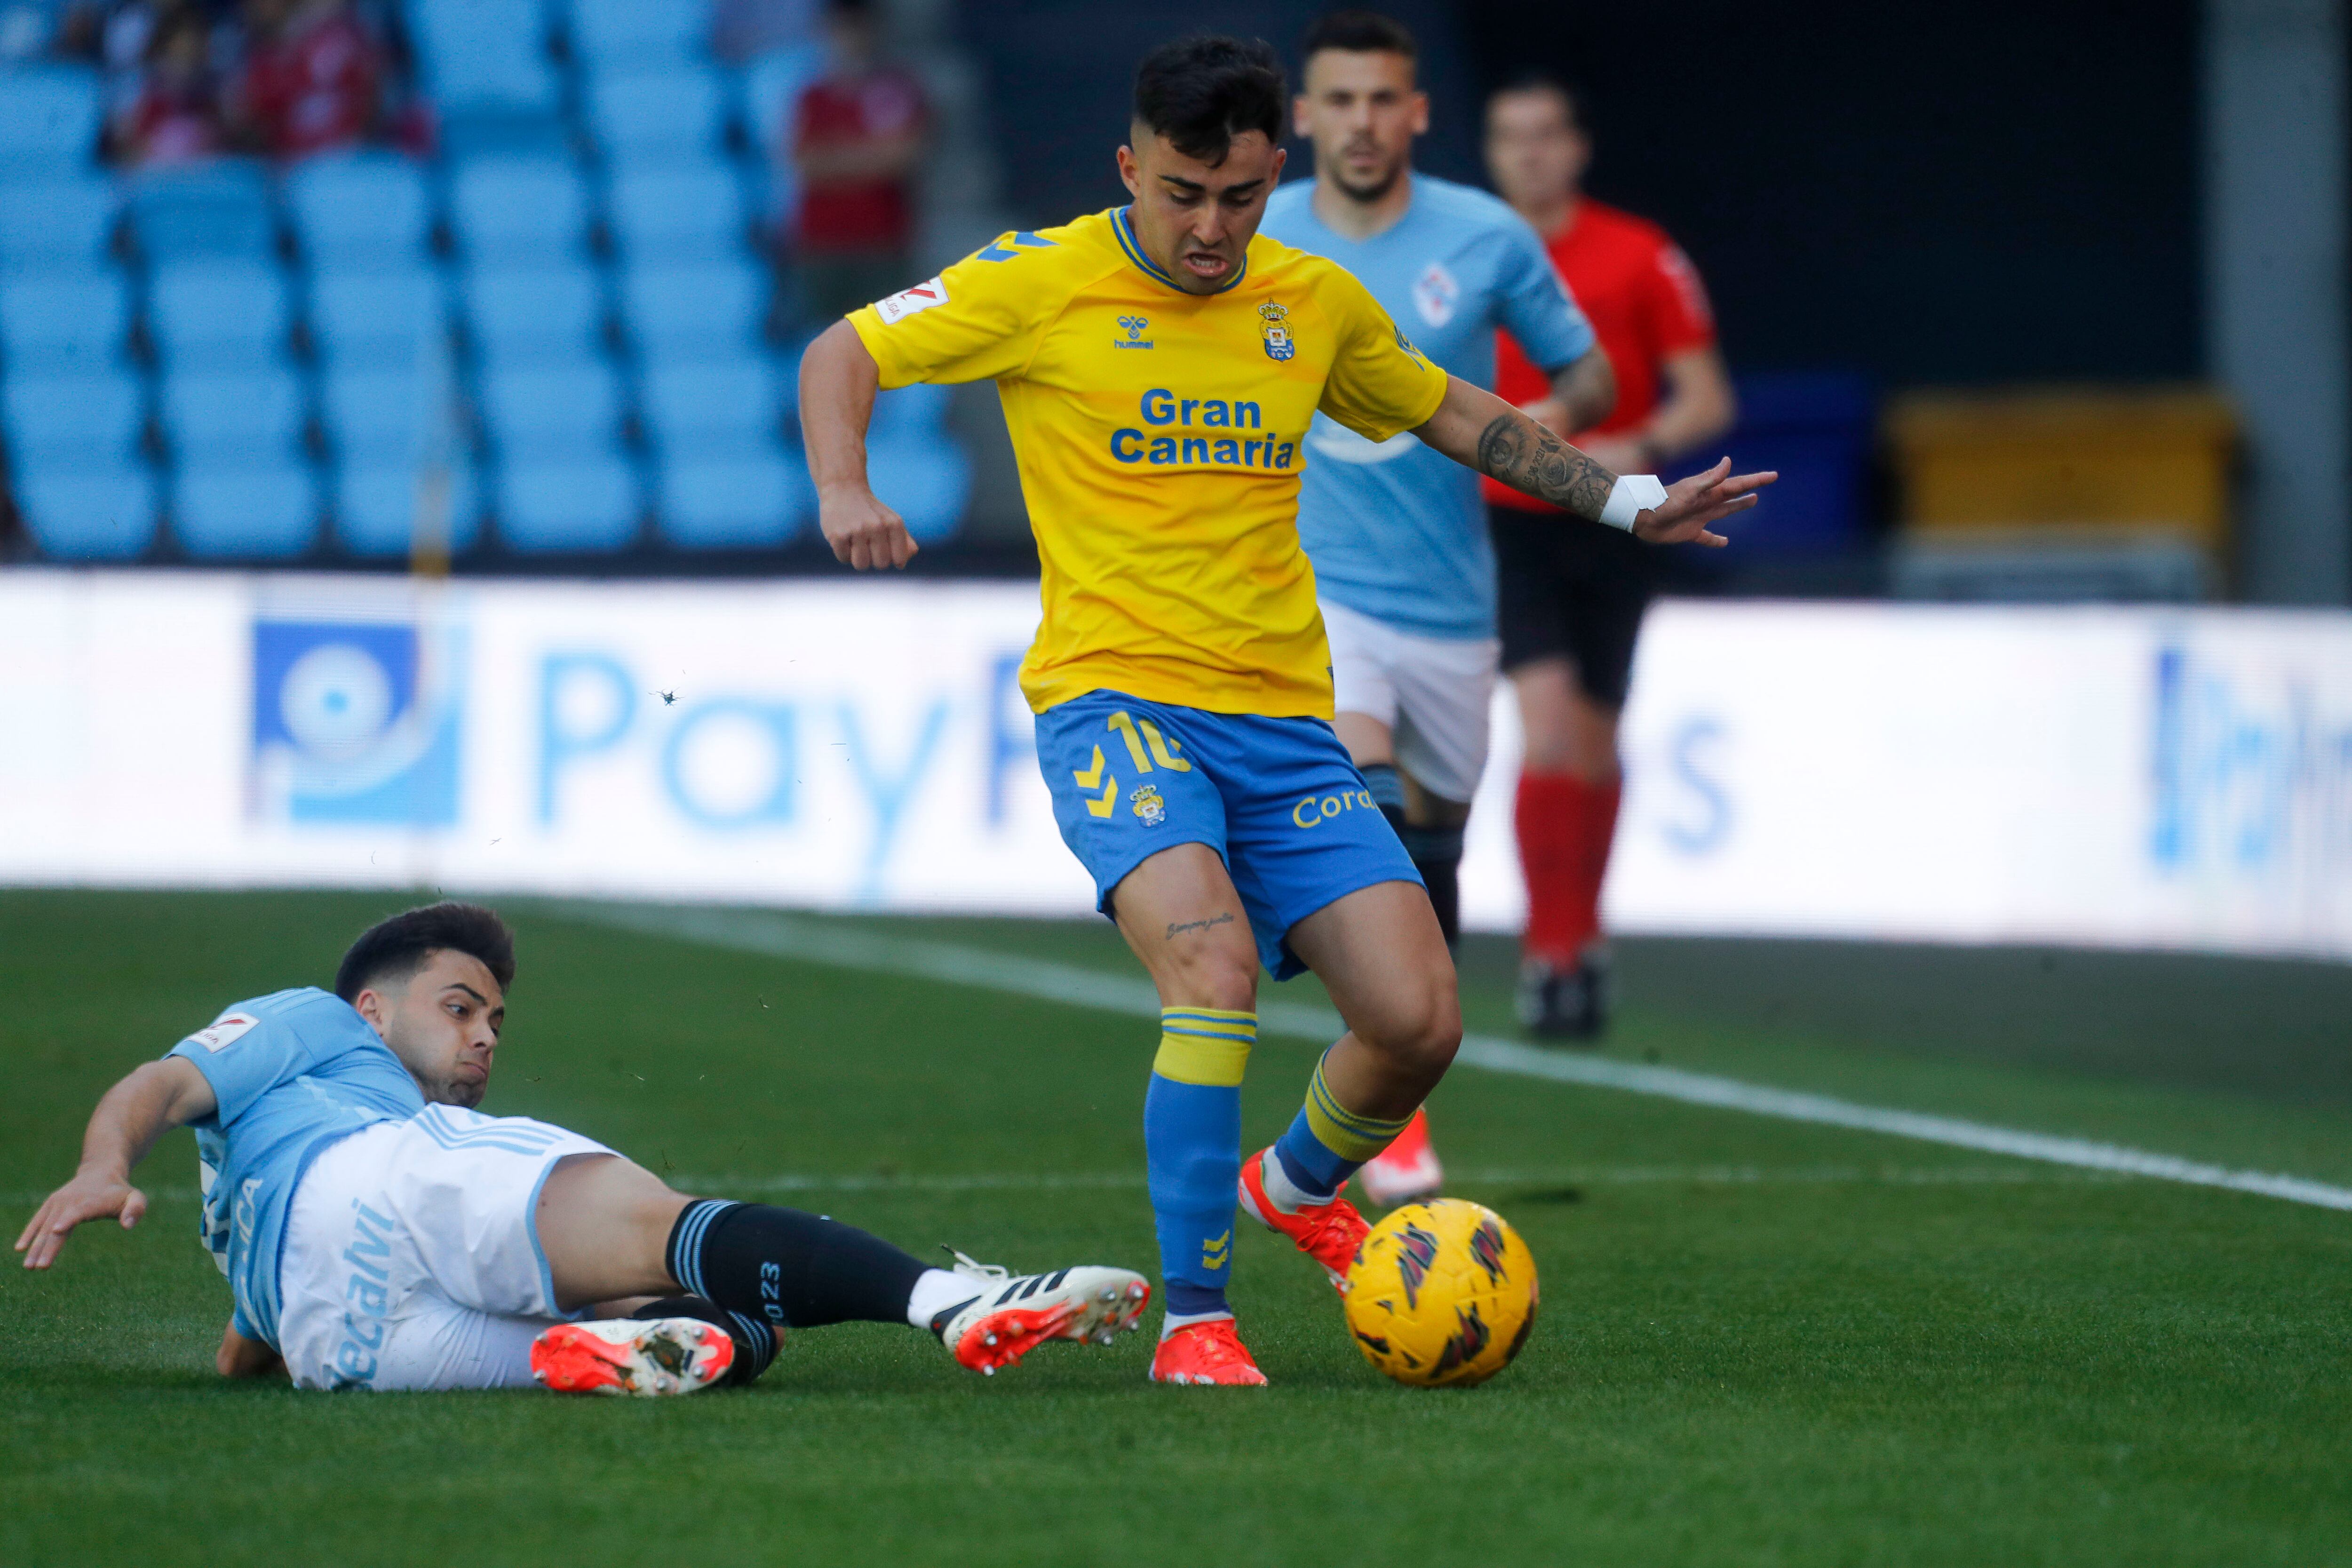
point(1278, 334)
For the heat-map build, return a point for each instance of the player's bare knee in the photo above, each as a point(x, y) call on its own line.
point(1213, 975)
point(1420, 1031)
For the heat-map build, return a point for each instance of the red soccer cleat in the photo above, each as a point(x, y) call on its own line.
point(1014, 1313)
point(1209, 1352)
point(1328, 1233)
point(644, 1356)
point(1407, 1170)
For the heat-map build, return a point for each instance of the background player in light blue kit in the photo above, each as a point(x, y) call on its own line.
point(1397, 532)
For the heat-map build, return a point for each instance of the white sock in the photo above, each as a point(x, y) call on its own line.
point(1172, 1322)
point(1281, 1191)
point(937, 1290)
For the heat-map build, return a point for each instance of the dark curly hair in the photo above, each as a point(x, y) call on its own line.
point(1202, 92)
point(395, 949)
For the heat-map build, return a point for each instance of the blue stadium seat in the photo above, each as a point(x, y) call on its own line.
point(484, 56)
point(587, 503)
point(265, 512)
point(374, 318)
point(93, 418)
point(60, 223)
point(672, 213)
point(1818, 429)
point(690, 311)
point(48, 116)
point(218, 209)
point(546, 312)
point(520, 207)
point(93, 514)
point(916, 413)
point(249, 419)
point(385, 414)
point(557, 410)
point(62, 322)
point(749, 502)
point(359, 210)
point(926, 480)
point(218, 315)
point(375, 508)
point(631, 31)
point(644, 117)
point(732, 405)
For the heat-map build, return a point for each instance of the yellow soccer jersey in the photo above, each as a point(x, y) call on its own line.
point(1160, 437)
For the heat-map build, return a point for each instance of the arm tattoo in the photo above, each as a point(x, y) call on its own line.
point(1521, 453)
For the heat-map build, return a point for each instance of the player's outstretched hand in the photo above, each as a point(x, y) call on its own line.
point(1693, 503)
point(862, 530)
point(89, 1196)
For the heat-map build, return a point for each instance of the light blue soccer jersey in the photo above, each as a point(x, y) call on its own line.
point(293, 1071)
point(1395, 531)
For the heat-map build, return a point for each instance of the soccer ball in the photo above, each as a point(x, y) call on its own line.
point(1442, 1292)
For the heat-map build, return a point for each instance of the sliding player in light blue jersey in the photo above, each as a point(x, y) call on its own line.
point(378, 1232)
point(1403, 565)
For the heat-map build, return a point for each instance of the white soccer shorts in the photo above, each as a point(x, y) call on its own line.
point(412, 1256)
point(1435, 695)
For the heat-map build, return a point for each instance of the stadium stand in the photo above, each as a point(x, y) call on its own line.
point(560, 319)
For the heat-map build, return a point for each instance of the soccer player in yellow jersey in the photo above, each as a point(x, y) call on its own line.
point(1158, 365)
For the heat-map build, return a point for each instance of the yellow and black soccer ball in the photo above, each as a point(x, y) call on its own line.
point(1441, 1293)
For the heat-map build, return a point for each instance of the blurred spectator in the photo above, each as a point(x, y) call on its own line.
point(856, 136)
point(743, 31)
point(313, 78)
point(174, 115)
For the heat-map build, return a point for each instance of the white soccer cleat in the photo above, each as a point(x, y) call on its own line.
point(1012, 1314)
point(1407, 1170)
point(644, 1356)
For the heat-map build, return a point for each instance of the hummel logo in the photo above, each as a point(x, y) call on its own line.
point(1216, 1250)
point(1136, 326)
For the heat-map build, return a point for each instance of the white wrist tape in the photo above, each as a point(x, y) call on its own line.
point(1632, 494)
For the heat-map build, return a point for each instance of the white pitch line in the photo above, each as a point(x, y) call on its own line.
point(1133, 1181)
point(781, 936)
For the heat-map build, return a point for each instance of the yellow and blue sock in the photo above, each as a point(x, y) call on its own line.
point(1192, 1149)
point(1326, 1144)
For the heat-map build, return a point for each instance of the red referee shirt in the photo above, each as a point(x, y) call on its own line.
point(1645, 303)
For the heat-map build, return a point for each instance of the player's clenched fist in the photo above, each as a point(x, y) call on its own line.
point(862, 530)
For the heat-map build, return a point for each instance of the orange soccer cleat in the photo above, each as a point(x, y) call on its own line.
point(1407, 1170)
point(1209, 1352)
point(648, 1357)
point(1014, 1313)
point(1325, 1232)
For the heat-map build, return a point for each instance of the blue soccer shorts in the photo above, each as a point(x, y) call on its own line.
point(1278, 799)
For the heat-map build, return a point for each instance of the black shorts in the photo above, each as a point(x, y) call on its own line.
point(1573, 590)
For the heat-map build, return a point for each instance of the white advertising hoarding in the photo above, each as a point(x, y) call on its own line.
point(2168, 778)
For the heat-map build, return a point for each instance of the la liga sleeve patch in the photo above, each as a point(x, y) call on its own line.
point(221, 1031)
point(912, 301)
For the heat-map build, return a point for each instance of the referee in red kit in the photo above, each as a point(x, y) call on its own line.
point(1571, 598)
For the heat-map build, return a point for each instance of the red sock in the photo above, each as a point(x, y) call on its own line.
point(1565, 828)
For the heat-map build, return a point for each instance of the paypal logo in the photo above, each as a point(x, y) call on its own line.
point(2244, 781)
point(737, 763)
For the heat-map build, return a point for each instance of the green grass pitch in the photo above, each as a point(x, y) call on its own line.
point(1762, 1343)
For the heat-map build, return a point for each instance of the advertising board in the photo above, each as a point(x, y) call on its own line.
point(2105, 776)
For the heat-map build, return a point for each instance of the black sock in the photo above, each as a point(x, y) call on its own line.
point(782, 1267)
point(755, 1342)
point(1437, 855)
